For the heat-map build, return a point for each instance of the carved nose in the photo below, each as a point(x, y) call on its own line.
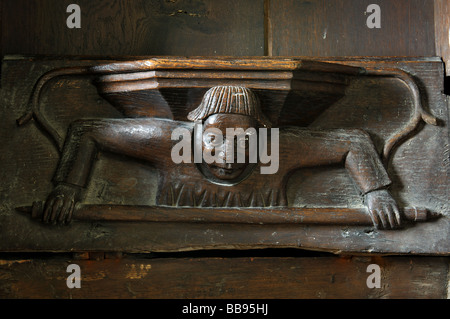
point(225, 149)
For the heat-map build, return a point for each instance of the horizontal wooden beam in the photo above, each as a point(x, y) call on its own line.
point(241, 277)
point(275, 215)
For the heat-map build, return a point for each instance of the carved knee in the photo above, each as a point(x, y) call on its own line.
point(359, 135)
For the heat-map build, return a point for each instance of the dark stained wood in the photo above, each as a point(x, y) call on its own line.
point(1, 30)
point(218, 28)
point(138, 27)
point(442, 29)
point(282, 215)
point(225, 81)
point(171, 88)
point(224, 278)
point(134, 28)
point(338, 28)
point(116, 180)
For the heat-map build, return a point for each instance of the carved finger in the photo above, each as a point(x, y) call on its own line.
point(390, 214)
point(398, 217)
point(382, 217)
point(47, 210)
point(64, 211)
point(374, 217)
point(70, 212)
point(56, 209)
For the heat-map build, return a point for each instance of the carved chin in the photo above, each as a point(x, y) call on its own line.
point(226, 173)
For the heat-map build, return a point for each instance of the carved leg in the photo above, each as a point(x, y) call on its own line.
point(366, 169)
point(351, 147)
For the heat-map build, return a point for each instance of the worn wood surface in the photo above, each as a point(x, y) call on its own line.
point(137, 27)
point(419, 179)
point(278, 215)
point(132, 27)
point(300, 28)
point(242, 277)
point(442, 30)
point(338, 28)
point(291, 91)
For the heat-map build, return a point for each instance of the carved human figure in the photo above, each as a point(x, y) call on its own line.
point(219, 184)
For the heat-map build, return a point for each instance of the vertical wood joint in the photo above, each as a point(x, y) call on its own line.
point(267, 29)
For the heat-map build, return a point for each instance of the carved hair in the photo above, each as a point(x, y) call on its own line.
point(229, 100)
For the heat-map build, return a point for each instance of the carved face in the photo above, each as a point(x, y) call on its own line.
point(220, 144)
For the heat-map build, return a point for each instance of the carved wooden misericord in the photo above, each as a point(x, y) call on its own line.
point(177, 116)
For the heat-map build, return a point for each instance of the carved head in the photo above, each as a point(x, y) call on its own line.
point(222, 109)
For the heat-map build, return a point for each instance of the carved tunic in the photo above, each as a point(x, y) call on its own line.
point(185, 185)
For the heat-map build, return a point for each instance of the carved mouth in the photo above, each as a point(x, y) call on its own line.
point(227, 175)
point(225, 168)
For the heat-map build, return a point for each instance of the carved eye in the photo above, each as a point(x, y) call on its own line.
point(243, 141)
point(210, 139)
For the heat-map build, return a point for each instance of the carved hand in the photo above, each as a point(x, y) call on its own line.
point(60, 204)
point(383, 209)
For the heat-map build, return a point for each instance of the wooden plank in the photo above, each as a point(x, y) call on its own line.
point(1, 31)
point(442, 27)
point(243, 277)
point(268, 40)
point(136, 27)
point(338, 28)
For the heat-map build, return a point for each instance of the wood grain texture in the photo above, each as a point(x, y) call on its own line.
point(133, 28)
point(338, 28)
point(442, 29)
point(419, 179)
point(224, 278)
point(138, 27)
point(284, 215)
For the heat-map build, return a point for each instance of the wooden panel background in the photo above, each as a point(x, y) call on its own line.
point(214, 27)
point(225, 278)
point(238, 28)
point(338, 28)
point(138, 27)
